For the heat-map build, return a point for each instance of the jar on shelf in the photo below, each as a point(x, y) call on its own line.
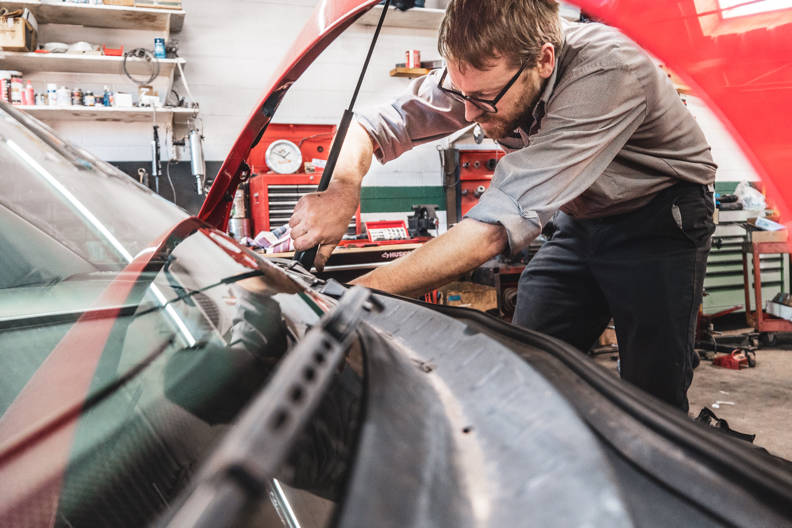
point(77, 97)
point(63, 96)
point(90, 100)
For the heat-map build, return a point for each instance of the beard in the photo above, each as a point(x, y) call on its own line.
point(503, 124)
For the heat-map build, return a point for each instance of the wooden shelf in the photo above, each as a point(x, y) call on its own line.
point(78, 63)
point(108, 114)
point(409, 72)
point(415, 18)
point(105, 16)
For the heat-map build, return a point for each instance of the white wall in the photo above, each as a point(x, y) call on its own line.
point(732, 163)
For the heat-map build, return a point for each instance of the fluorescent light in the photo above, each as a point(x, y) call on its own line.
point(72, 199)
point(740, 8)
point(183, 330)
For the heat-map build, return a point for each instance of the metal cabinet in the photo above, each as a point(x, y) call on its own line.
point(723, 283)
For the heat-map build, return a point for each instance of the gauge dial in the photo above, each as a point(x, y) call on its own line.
point(283, 157)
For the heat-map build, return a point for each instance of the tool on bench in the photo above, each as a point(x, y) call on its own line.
point(306, 258)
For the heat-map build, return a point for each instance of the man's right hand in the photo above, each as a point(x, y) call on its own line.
point(323, 218)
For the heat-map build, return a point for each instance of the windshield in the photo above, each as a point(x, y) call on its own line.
point(64, 212)
point(131, 335)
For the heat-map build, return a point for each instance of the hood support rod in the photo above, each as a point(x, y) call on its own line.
point(306, 258)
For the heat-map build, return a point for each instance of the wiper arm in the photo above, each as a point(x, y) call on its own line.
point(184, 295)
point(247, 460)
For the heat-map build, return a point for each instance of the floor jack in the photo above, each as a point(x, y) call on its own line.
point(739, 349)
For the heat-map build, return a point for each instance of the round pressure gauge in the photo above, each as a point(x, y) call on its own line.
point(283, 157)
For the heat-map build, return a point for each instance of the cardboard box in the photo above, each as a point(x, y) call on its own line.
point(127, 3)
point(768, 236)
point(17, 34)
point(469, 295)
point(779, 310)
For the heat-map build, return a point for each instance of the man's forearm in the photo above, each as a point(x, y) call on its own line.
point(322, 218)
point(355, 157)
point(463, 248)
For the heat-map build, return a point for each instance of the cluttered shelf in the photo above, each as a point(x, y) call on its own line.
point(80, 63)
point(105, 16)
point(109, 114)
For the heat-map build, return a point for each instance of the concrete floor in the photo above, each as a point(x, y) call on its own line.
point(753, 400)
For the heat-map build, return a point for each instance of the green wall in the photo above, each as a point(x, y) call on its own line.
point(400, 199)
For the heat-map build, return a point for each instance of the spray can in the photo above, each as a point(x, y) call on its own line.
point(5, 85)
point(16, 88)
point(30, 95)
point(239, 223)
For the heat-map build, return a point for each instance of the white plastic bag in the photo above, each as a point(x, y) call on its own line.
point(750, 198)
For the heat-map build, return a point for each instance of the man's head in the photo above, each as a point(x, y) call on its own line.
point(486, 42)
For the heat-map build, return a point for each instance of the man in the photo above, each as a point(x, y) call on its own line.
point(598, 141)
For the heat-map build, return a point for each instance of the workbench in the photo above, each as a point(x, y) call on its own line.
point(347, 263)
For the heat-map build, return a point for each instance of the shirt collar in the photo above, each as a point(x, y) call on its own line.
point(538, 111)
point(551, 82)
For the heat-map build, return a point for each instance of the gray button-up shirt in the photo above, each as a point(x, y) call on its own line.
point(609, 132)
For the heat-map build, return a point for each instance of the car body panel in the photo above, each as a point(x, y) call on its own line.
point(737, 62)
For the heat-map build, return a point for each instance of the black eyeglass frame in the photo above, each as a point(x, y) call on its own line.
point(475, 100)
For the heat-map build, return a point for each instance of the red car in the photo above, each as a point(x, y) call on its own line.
point(154, 372)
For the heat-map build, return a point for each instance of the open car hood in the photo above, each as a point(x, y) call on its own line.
point(736, 61)
point(328, 20)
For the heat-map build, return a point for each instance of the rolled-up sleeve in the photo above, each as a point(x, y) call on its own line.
point(421, 114)
point(587, 121)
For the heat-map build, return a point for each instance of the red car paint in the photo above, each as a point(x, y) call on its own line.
point(328, 20)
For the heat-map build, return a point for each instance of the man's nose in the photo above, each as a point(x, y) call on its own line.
point(472, 111)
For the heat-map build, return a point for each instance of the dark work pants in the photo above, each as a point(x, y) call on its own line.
point(645, 269)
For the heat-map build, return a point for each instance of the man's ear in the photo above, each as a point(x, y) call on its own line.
point(546, 61)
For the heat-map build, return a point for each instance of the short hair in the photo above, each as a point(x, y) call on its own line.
point(475, 32)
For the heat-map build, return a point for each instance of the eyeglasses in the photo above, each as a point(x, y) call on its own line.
point(487, 106)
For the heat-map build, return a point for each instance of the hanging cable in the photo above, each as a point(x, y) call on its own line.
point(146, 55)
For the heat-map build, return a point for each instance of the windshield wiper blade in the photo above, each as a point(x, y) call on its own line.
point(247, 460)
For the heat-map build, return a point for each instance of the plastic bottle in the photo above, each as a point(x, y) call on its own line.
point(159, 48)
point(52, 94)
point(64, 96)
point(30, 95)
point(106, 97)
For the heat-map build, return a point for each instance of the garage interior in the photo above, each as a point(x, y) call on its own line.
point(163, 91)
